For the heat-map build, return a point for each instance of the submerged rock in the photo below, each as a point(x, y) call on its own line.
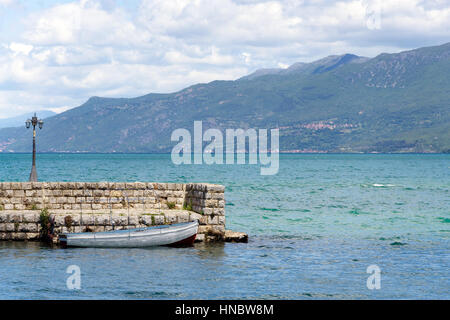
point(232, 236)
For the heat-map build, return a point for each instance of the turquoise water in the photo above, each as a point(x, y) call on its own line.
point(314, 229)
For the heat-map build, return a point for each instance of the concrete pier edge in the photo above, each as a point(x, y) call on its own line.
point(102, 206)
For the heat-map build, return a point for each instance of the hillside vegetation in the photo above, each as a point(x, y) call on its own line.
point(391, 103)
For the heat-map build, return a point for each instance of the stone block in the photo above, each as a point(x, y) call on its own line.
point(183, 216)
point(219, 211)
point(16, 186)
point(203, 229)
point(61, 200)
point(146, 219)
point(217, 196)
point(27, 186)
point(194, 216)
point(140, 185)
point(72, 185)
point(77, 193)
point(80, 185)
point(150, 185)
point(133, 220)
point(219, 228)
point(15, 217)
point(19, 193)
point(212, 203)
point(212, 219)
point(18, 236)
point(171, 186)
point(5, 185)
point(5, 236)
point(120, 185)
point(56, 193)
point(86, 206)
point(32, 236)
point(72, 220)
point(203, 220)
point(231, 236)
point(138, 193)
point(207, 211)
point(103, 185)
point(120, 220)
point(160, 219)
point(200, 238)
point(51, 186)
point(31, 217)
point(91, 185)
point(116, 193)
point(59, 220)
point(3, 217)
point(98, 193)
point(28, 227)
point(30, 193)
point(67, 193)
point(215, 188)
point(103, 219)
point(38, 199)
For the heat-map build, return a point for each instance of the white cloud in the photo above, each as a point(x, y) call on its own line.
point(60, 109)
point(6, 2)
point(84, 22)
point(71, 51)
point(20, 48)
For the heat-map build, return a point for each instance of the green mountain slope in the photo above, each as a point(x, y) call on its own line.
point(390, 103)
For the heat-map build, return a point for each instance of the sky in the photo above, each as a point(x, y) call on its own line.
point(54, 55)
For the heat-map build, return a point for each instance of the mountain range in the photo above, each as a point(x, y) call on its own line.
point(396, 102)
point(20, 119)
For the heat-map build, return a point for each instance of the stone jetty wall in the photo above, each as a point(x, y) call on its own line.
point(102, 206)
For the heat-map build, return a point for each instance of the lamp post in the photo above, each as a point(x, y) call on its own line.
point(34, 121)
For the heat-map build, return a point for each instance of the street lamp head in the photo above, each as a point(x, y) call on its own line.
point(34, 121)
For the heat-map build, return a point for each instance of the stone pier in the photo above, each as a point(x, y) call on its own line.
point(103, 206)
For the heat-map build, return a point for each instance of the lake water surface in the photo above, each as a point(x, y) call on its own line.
point(314, 229)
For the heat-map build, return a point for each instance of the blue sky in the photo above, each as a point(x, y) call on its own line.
point(56, 54)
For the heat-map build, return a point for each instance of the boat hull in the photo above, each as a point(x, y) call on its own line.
point(176, 234)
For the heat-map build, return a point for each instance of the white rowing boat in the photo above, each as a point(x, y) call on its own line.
point(175, 234)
